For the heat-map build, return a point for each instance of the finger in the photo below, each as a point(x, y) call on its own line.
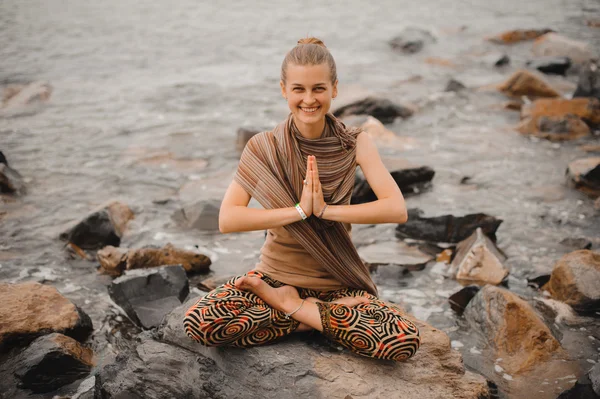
point(315, 167)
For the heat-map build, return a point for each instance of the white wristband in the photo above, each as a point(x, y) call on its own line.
point(301, 211)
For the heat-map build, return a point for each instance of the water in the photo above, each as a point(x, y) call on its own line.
point(140, 89)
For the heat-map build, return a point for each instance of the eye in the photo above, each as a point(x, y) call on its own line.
point(297, 89)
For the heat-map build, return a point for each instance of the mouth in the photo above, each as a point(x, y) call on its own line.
point(310, 111)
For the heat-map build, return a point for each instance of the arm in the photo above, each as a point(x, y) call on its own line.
point(236, 216)
point(389, 206)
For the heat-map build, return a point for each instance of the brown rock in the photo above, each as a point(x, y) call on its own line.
point(555, 128)
point(120, 214)
point(584, 175)
point(518, 35)
point(114, 261)
point(590, 147)
point(478, 261)
point(588, 109)
point(31, 309)
point(19, 96)
point(394, 253)
point(594, 23)
point(575, 280)
point(243, 135)
point(527, 83)
point(512, 327)
point(553, 44)
point(444, 256)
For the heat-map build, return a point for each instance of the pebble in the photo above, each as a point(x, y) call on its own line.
point(498, 369)
point(475, 351)
point(456, 344)
point(507, 377)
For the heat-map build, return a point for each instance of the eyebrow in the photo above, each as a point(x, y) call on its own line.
point(316, 84)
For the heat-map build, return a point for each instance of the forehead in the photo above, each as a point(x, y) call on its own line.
point(307, 75)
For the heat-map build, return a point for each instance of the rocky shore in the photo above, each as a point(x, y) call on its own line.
point(499, 262)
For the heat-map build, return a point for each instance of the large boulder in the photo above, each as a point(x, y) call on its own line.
point(380, 108)
point(406, 179)
point(300, 366)
point(30, 310)
point(584, 175)
point(589, 80)
point(52, 361)
point(575, 280)
point(527, 83)
point(479, 261)
point(555, 45)
point(148, 295)
point(113, 261)
point(446, 228)
point(103, 227)
point(512, 328)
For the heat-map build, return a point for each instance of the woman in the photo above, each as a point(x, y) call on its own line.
point(309, 275)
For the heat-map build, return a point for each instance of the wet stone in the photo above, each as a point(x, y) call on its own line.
point(584, 175)
point(394, 253)
point(518, 35)
point(202, 215)
point(512, 327)
point(11, 181)
point(52, 361)
point(148, 295)
point(575, 280)
point(576, 243)
point(243, 135)
point(31, 309)
point(113, 261)
point(555, 45)
point(479, 261)
point(406, 179)
point(527, 83)
point(459, 300)
point(380, 108)
point(589, 80)
point(101, 228)
point(446, 228)
point(455, 85)
point(551, 65)
point(411, 40)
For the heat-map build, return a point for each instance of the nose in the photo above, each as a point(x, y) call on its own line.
point(308, 99)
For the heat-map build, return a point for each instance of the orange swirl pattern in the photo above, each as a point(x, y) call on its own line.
point(230, 317)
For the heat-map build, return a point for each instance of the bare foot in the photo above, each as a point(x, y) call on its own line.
point(351, 301)
point(282, 298)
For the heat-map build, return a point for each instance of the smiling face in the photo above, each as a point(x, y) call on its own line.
point(309, 90)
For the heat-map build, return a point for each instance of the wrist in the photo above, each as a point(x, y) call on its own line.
point(300, 211)
point(322, 213)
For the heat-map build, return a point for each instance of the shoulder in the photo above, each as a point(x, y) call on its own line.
point(365, 147)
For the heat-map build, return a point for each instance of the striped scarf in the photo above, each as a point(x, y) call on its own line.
point(272, 169)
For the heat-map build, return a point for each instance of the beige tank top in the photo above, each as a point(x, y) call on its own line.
point(285, 259)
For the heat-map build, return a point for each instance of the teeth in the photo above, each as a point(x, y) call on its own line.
point(309, 109)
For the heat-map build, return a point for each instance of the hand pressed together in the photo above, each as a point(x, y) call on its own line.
point(312, 201)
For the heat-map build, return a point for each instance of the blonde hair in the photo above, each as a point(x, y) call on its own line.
point(309, 51)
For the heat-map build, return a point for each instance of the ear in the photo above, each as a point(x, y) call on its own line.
point(283, 92)
point(335, 90)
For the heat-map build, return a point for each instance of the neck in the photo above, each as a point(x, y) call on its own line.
point(312, 130)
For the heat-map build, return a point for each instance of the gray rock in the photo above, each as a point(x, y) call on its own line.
point(202, 215)
point(594, 376)
point(52, 361)
point(412, 40)
point(243, 135)
point(380, 108)
point(551, 65)
point(11, 181)
point(407, 180)
point(455, 85)
point(589, 80)
point(446, 228)
point(394, 253)
point(147, 295)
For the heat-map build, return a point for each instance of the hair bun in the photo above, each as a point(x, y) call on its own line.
point(311, 40)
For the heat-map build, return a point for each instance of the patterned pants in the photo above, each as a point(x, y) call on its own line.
point(228, 316)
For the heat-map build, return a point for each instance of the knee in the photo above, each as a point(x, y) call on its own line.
point(198, 327)
point(408, 343)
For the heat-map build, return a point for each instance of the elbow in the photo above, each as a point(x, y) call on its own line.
point(402, 216)
point(224, 227)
